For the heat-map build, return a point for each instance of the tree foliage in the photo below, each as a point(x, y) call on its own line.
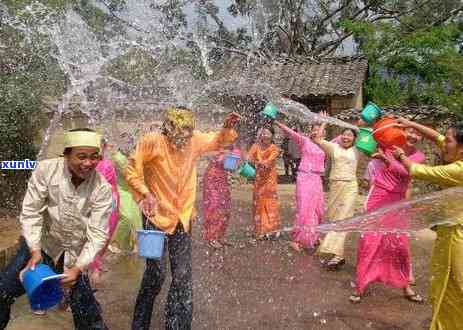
point(416, 59)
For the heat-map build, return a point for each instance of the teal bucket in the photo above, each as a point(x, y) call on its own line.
point(247, 170)
point(365, 141)
point(151, 243)
point(270, 110)
point(371, 113)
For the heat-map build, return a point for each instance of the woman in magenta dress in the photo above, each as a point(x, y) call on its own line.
point(309, 188)
point(216, 204)
point(106, 168)
point(385, 257)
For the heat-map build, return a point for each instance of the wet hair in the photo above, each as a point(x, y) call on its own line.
point(350, 129)
point(67, 151)
point(458, 127)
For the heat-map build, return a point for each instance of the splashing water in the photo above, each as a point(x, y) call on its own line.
point(405, 217)
point(112, 102)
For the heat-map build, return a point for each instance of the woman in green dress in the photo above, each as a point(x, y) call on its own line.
point(129, 213)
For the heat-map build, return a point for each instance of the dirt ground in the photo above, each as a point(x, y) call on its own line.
point(263, 287)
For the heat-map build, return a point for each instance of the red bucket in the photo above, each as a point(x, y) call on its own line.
point(387, 134)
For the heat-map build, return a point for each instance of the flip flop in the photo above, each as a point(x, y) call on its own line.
point(416, 298)
point(39, 312)
point(335, 262)
point(215, 245)
point(355, 298)
point(296, 247)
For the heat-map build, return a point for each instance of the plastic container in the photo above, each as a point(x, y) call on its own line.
point(270, 110)
point(231, 161)
point(151, 243)
point(247, 170)
point(371, 113)
point(387, 134)
point(43, 287)
point(365, 141)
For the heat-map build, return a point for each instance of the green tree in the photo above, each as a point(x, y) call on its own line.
point(413, 60)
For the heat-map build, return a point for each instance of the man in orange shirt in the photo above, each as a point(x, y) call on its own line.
point(162, 177)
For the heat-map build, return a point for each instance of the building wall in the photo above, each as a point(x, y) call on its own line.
point(339, 103)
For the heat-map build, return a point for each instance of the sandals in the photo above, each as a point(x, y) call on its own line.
point(355, 298)
point(416, 298)
point(215, 245)
point(39, 312)
point(296, 247)
point(335, 263)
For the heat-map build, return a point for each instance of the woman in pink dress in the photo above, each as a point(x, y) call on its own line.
point(385, 257)
point(309, 188)
point(106, 168)
point(216, 204)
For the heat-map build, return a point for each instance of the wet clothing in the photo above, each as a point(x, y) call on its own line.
point(170, 174)
point(373, 167)
point(85, 309)
point(446, 263)
point(69, 226)
point(309, 190)
point(342, 193)
point(266, 211)
point(179, 307)
point(386, 257)
point(129, 212)
point(216, 203)
point(106, 168)
point(57, 217)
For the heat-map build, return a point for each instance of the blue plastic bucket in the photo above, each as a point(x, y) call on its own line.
point(231, 161)
point(43, 287)
point(371, 113)
point(151, 243)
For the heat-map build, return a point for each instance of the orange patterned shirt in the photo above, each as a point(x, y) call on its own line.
point(171, 174)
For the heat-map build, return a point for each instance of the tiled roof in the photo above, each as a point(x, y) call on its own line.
point(326, 77)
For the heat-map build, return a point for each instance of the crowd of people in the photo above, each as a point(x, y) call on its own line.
point(95, 198)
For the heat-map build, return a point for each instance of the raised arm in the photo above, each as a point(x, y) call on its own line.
point(293, 135)
point(449, 175)
point(208, 142)
point(427, 132)
point(327, 147)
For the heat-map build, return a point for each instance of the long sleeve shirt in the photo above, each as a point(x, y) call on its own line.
point(59, 218)
point(449, 175)
point(171, 175)
point(313, 157)
point(344, 161)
